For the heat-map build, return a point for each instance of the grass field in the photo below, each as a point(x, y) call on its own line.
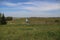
point(18, 30)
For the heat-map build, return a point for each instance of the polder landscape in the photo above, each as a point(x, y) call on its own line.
point(29, 19)
point(38, 29)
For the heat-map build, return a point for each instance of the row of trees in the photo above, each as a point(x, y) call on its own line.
point(3, 19)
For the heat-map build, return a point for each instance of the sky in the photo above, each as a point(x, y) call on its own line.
point(30, 8)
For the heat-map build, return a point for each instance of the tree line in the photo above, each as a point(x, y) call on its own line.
point(3, 19)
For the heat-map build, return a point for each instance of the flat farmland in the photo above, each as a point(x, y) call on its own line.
point(19, 30)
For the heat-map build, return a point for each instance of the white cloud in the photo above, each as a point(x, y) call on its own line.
point(40, 6)
point(15, 4)
point(28, 2)
point(10, 4)
point(44, 6)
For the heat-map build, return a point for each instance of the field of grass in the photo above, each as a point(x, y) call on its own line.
point(18, 30)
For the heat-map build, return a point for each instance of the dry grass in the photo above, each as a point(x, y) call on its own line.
point(21, 31)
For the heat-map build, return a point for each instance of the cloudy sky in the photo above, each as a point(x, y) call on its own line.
point(30, 8)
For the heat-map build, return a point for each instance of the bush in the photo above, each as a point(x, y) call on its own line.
point(57, 21)
point(3, 20)
point(9, 18)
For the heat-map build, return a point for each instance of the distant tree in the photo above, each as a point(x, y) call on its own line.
point(9, 18)
point(3, 20)
point(56, 21)
point(0, 14)
point(0, 18)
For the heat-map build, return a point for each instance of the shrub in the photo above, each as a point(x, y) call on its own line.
point(57, 21)
point(9, 18)
point(3, 20)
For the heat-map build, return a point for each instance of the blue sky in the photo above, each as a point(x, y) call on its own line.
point(30, 8)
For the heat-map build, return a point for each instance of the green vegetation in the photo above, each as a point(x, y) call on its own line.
point(39, 29)
point(2, 19)
point(9, 18)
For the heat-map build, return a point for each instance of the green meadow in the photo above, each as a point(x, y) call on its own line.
point(38, 29)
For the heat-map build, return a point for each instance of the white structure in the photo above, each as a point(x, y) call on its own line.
point(27, 21)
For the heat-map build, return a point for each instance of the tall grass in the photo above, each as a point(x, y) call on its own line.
point(21, 31)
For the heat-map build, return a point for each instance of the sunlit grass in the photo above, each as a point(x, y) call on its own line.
point(18, 30)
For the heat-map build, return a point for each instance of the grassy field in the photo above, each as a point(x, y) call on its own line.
point(18, 30)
